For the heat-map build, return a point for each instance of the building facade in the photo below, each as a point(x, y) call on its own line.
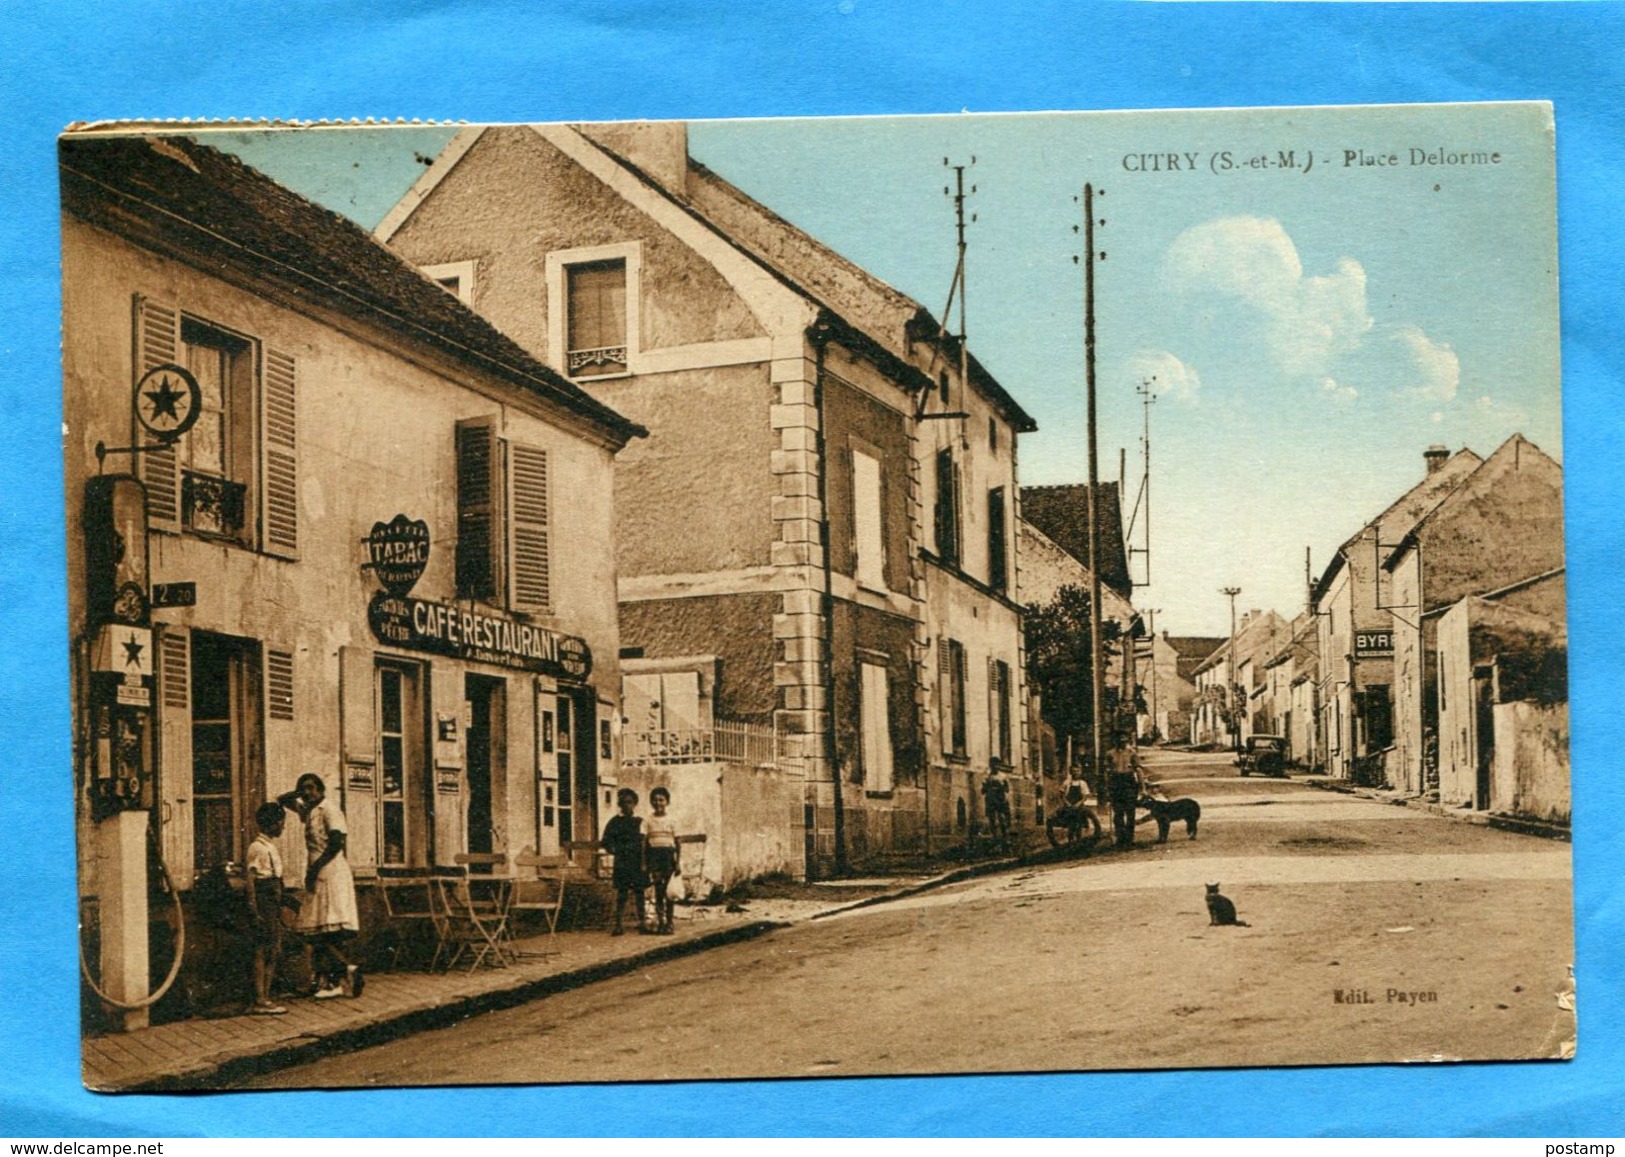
point(380, 554)
point(823, 515)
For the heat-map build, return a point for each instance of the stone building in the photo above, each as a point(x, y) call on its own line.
point(1352, 601)
point(1500, 528)
point(381, 553)
point(818, 536)
point(1293, 676)
point(1225, 684)
point(1171, 683)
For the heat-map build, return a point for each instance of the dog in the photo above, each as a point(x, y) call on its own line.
point(1165, 812)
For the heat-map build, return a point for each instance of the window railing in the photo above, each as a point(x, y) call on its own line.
point(213, 505)
point(613, 357)
point(723, 742)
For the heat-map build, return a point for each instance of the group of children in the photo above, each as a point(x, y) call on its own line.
point(646, 853)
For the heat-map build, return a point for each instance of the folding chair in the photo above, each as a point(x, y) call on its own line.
point(408, 902)
point(538, 886)
point(467, 924)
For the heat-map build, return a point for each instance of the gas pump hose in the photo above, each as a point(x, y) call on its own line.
point(180, 942)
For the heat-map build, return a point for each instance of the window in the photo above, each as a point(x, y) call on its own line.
point(947, 508)
point(504, 519)
point(875, 720)
point(565, 813)
point(456, 278)
point(401, 781)
point(993, 434)
point(224, 682)
point(998, 710)
point(234, 475)
point(597, 319)
point(998, 563)
point(951, 696)
point(867, 538)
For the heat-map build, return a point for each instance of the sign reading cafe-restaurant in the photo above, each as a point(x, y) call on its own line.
point(399, 552)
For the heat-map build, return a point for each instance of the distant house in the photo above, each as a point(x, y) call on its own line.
point(1356, 625)
point(1503, 702)
point(816, 540)
point(1293, 676)
point(1170, 682)
point(1501, 527)
point(1235, 683)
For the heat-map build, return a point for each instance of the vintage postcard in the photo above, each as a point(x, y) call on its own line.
point(655, 601)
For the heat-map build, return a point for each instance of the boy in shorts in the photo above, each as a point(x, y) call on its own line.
point(264, 893)
point(623, 839)
point(660, 856)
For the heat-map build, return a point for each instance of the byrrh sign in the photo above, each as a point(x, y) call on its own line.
point(1373, 642)
point(398, 553)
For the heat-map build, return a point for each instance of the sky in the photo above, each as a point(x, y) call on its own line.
point(1308, 329)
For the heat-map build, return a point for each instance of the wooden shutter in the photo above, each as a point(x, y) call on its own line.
point(479, 493)
point(867, 538)
point(992, 710)
point(279, 455)
point(174, 787)
point(945, 678)
point(946, 527)
point(875, 720)
point(157, 342)
point(998, 566)
point(446, 699)
point(530, 586)
point(282, 758)
point(359, 760)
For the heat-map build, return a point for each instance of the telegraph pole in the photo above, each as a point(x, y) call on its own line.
point(1230, 663)
point(1151, 614)
point(1097, 665)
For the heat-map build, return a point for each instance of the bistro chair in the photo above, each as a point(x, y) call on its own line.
point(538, 886)
point(466, 925)
point(409, 905)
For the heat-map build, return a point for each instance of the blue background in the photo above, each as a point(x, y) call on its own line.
point(484, 60)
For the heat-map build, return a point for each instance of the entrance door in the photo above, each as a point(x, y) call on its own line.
point(485, 760)
point(578, 767)
point(228, 776)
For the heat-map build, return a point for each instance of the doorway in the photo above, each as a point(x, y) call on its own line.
point(487, 771)
point(228, 773)
point(577, 767)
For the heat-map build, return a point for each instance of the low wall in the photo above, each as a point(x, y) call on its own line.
point(750, 815)
point(1530, 776)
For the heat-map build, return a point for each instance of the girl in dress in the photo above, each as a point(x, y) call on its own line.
point(328, 914)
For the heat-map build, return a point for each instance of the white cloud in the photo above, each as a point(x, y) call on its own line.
point(1314, 329)
point(1434, 369)
point(1173, 378)
point(1308, 321)
point(1485, 406)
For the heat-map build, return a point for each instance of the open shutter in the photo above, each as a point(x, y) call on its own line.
point(157, 342)
point(992, 710)
point(870, 563)
point(446, 695)
point(174, 791)
point(875, 720)
point(358, 744)
point(279, 455)
point(479, 492)
point(998, 565)
point(945, 715)
point(530, 585)
point(282, 755)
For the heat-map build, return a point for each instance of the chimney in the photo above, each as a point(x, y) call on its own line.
point(659, 148)
point(1435, 456)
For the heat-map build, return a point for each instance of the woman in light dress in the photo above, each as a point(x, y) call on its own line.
point(328, 914)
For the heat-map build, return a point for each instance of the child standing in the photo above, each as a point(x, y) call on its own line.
point(264, 893)
point(660, 855)
point(623, 839)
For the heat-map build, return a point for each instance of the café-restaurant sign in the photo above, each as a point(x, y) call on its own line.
point(480, 636)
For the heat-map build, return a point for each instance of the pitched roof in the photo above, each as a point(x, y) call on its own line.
point(211, 209)
point(1191, 650)
point(859, 299)
point(1404, 512)
point(1262, 634)
point(1482, 480)
point(1062, 514)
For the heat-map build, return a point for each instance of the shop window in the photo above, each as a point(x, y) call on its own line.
point(875, 722)
point(233, 476)
point(998, 559)
point(951, 696)
point(504, 545)
point(868, 539)
point(947, 507)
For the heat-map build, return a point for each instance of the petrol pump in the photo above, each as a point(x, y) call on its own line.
point(119, 757)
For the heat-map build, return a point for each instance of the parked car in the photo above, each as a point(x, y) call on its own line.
point(1265, 754)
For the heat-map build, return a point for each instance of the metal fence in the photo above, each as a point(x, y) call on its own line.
point(723, 742)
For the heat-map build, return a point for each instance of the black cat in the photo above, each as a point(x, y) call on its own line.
point(1220, 910)
point(1165, 812)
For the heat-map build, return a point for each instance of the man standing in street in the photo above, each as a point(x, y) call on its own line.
point(1123, 789)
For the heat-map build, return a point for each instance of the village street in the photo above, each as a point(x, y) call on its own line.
point(1374, 933)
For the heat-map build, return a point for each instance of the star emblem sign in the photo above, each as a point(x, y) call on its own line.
point(132, 651)
point(167, 401)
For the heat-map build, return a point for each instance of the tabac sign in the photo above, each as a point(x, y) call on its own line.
point(444, 629)
point(398, 552)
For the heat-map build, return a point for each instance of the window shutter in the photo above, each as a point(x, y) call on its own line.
point(479, 492)
point(868, 540)
point(947, 547)
point(992, 710)
point(945, 676)
point(157, 342)
point(174, 788)
point(530, 584)
point(281, 758)
point(279, 456)
point(998, 568)
point(358, 743)
point(875, 721)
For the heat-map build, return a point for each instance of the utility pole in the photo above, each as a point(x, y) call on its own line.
point(1097, 663)
point(1151, 614)
point(1230, 664)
